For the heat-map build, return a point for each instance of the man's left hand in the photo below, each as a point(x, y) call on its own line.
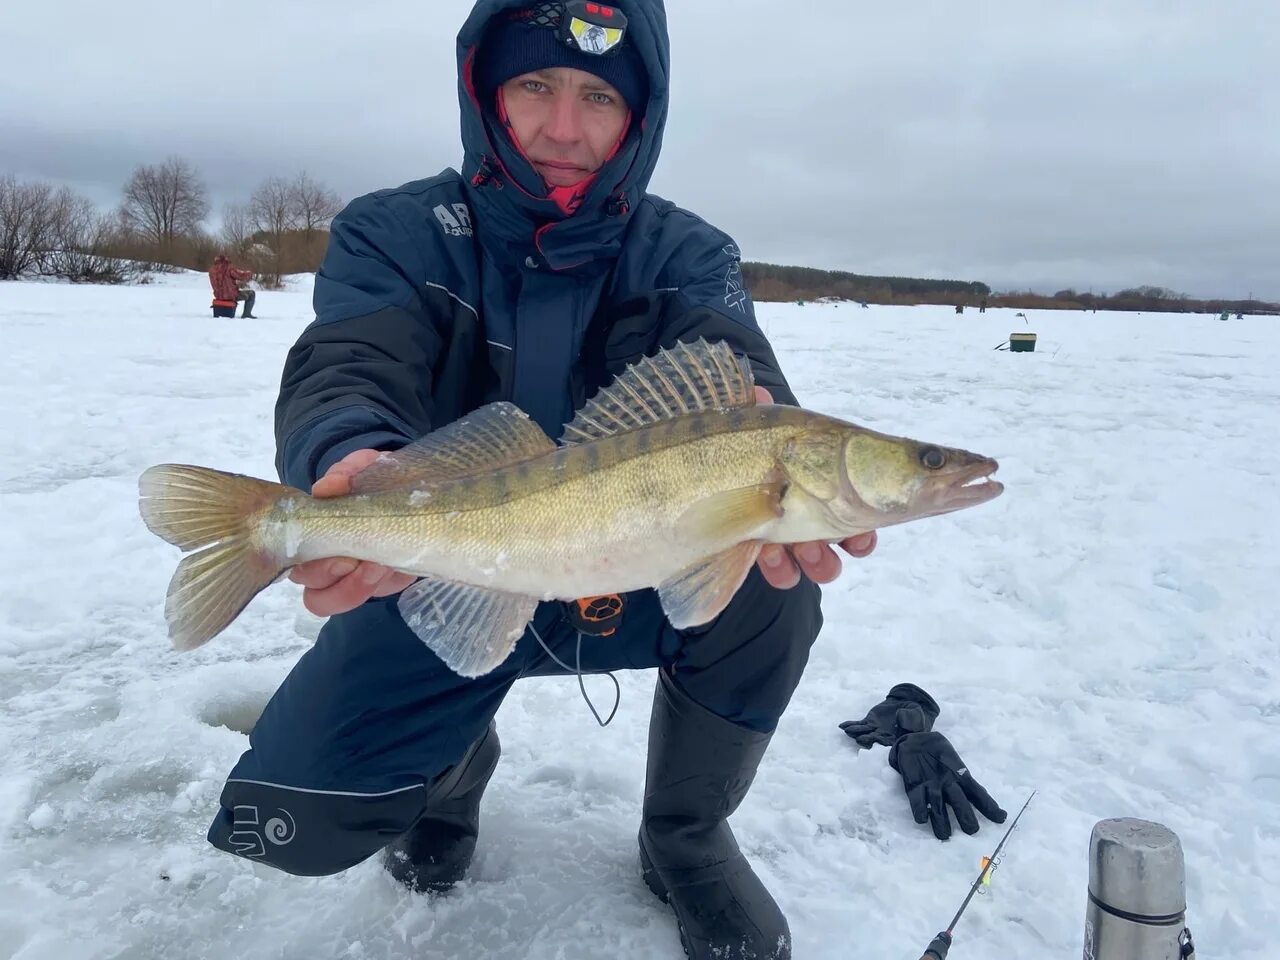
point(782, 564)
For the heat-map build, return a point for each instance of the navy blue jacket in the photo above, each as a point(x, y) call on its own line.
point(444, 294)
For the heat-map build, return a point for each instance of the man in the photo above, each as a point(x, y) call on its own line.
point(533, 276)
point(225, 279)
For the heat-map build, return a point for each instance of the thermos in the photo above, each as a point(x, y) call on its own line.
point(1137, 893)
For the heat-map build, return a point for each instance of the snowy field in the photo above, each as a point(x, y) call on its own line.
point(1106, 633)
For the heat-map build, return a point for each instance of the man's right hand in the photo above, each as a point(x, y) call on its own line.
point(338, 584)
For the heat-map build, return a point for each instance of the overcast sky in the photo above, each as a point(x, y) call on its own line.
point(1019, 142)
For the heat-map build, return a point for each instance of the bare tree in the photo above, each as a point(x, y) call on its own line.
point(72, 221)
point(57, 234)
point(314, 204)
point(25, 225)
point(273, 216)
point(237, 231)
point(82, 238)
point(166, 202)
point(272, 210)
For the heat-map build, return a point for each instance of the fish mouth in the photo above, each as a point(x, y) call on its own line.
point(972, 485)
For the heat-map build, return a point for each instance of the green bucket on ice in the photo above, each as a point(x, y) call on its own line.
point(1022, 342)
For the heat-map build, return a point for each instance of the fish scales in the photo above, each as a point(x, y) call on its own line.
point(558, 517)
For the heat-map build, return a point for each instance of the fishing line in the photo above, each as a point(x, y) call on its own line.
point(617, 688)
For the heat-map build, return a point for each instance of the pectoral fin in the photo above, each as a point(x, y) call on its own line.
point(734, 514)
point(471, 629)
point(698, 594)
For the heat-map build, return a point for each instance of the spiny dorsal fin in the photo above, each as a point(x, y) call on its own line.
point(685, 379)
point(487, 438)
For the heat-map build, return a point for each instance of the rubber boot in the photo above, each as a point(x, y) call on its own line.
point(435, 852)
point(700, 769)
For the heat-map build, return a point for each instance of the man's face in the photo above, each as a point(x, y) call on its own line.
point(567, 121)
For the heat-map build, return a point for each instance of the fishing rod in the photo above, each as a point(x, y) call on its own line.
point(938, 947)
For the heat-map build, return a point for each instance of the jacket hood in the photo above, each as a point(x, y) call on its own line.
point(509, 196)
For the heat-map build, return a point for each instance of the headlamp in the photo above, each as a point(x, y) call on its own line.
point(588, 27)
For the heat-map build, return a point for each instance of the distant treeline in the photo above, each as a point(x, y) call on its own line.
point(772, 282)
point(769, 281)
point(1153, 299)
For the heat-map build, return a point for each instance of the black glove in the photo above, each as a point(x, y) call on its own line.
point(934, 778)
point(907, 709)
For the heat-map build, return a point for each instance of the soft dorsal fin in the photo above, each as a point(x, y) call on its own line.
point(685, 379)
point(487, 438)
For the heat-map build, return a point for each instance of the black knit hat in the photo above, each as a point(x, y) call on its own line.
point(523, 40)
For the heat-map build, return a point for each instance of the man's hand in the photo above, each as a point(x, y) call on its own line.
point(338, 584)
point(783, 564)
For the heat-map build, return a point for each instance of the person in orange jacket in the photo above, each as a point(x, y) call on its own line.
point(225, 279)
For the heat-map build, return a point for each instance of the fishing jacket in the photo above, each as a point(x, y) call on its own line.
point(225, 279)
point(444, 294)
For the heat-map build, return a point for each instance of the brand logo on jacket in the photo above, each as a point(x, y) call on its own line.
point(454, 220)
point(249, 836)
point(735, 294)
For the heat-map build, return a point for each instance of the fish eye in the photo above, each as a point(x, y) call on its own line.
point(932, 458)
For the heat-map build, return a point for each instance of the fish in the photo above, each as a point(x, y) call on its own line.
point(671, 478)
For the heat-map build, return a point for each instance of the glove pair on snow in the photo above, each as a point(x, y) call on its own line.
point(933, 775)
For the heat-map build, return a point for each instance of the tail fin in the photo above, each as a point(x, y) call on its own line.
point(195, 507)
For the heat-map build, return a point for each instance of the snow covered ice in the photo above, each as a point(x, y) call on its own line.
point(1105, 632)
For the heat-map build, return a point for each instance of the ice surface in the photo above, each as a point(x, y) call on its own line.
point(1106, 632)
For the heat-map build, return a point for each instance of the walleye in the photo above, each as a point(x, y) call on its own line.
point(671, 478)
